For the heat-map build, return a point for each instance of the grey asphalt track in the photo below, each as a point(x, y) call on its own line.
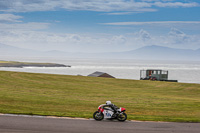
point(29, 124)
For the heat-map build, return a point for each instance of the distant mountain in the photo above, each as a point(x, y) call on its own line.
point(3, 46)
point(145, 53)
point(154, 53)
point(163, 53)
point(7, 50)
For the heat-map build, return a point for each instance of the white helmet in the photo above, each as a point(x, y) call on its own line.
point(108, 102)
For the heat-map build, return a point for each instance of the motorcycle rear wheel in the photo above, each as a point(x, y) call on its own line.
point(122, 117)
point(98, 116)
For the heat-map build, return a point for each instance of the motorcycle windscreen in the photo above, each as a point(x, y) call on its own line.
point(108, 113)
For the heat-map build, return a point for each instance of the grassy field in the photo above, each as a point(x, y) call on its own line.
point(79, 96)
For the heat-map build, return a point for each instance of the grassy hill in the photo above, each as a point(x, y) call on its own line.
point(79, 96)
point(28, 64)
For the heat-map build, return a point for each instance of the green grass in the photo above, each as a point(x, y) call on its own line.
point(79, 96)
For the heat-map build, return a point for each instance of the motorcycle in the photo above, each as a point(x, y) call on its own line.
point(108, 113)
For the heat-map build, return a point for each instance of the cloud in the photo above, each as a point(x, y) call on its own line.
point(177, 33)
point(132, 12)
point(158, 25)
point(89, 5)
point(178, 36)
point(144, 35)
point(9, 18)
point(152, 23)
point(31, 26)
point(175, 38)
point(120, 39)
point(175, 4)
point(31, 37)
point(45, 41)
point(28, 5)
point(121, 13)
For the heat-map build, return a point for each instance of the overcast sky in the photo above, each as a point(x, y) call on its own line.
point(99, 25)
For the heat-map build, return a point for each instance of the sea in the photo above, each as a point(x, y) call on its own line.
point(183, 71)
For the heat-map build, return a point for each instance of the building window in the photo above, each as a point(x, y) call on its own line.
point(164, 72)
point(158, 72)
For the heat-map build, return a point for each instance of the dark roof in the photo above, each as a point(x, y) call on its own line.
point(100, 74)
point(96, 74)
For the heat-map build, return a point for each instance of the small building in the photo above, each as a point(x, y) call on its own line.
point(100, 74)
point(155, 74)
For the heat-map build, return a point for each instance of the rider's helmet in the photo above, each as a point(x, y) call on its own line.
point(108, 102)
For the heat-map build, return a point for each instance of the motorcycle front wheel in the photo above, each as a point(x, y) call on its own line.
point(122, 117)
point(98, 116)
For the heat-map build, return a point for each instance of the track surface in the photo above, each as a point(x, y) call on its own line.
point(28, 124)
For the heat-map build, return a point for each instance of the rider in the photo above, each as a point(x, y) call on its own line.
point(112, 106)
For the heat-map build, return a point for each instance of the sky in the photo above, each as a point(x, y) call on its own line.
point(99, 25)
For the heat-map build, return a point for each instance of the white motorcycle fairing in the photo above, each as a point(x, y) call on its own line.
point(108, 114)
